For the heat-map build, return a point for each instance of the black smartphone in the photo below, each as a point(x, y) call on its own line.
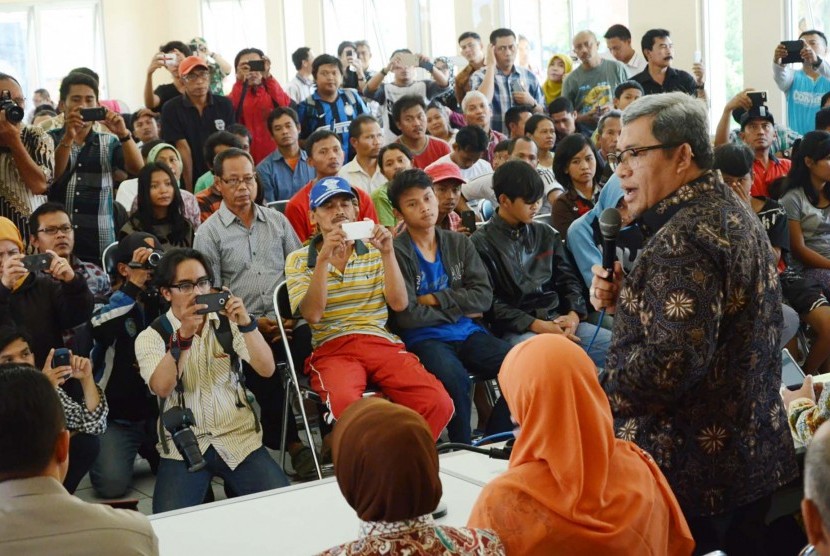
point(61, 358)
point(215, 302)
point(758, 98)
point(791, 374)
point(36, 263)
point(256, 65)
point(468, 220)
point(793, 52)
point(94, 114)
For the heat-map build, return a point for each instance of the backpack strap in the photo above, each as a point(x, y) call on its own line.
point(162, 326)
point(225, 337)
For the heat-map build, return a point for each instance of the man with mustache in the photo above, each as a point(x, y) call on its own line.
point(659, 76)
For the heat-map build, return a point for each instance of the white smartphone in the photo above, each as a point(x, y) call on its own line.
point(363, 229)
point(409, 60)
point(698, 56)
point(170, 59)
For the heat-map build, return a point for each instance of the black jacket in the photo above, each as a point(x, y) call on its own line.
point(45, 308)
point(532, 276)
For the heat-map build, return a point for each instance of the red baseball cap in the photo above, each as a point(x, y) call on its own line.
point(442, 171)
point(190, 63)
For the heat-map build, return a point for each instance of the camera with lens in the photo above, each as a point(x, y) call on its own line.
point(14, 114)
point(152, 261)
point(178, 420)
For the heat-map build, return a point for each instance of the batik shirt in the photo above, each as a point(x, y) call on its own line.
point(694, 368)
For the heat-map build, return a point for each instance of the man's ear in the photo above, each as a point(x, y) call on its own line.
point(61, 453)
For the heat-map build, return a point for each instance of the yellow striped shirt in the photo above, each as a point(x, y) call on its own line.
point(355, 303)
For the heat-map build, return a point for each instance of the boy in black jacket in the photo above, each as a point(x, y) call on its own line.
point(536, 289)
point(448, 292)
point(131, 426)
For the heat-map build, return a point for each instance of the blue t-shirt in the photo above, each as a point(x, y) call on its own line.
point(803, 101)
point(433, 279)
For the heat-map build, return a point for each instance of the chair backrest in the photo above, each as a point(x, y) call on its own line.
point(282, 308)
point(108, 258)
point(486, 209)
point(278, 205)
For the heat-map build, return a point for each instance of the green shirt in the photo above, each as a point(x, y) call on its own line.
point(383, 207)
point(204, 181)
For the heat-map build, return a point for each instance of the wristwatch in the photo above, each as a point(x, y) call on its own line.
point(126, 138)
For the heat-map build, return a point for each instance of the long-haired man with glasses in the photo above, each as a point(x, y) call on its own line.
point(693, 371)
point(189, 367)
point(187, 120)
point(26, 160)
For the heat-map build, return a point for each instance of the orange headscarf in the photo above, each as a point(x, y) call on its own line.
point(572, 487)
point(385, 461)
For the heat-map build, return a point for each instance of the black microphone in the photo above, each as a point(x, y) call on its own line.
point(610, 223)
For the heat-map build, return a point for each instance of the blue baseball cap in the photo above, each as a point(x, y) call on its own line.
point(327, 188)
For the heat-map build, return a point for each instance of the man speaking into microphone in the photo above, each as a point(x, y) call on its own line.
point(693, 370)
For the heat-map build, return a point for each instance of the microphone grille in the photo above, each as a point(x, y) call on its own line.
point(610, 223)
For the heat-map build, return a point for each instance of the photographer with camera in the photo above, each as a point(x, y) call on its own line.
point(86, 420)
point(40, 293)
point(85, 161)
point(131, 425)
point(805, 86)
point(191, 359)
point(26, 157)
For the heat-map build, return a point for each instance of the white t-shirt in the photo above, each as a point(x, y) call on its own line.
point(480, 168)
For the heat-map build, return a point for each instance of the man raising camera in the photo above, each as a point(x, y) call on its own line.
point(190, 358)
point(26, 158)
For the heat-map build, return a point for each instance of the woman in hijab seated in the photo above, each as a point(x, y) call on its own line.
point(387, 469)
point(572, 488)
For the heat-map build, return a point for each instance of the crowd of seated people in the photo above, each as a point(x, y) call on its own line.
point(481, 191)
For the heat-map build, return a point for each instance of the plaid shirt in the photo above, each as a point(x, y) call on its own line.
point(88, 195)
point(519, 79)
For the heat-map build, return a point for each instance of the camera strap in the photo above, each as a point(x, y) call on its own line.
point(224, 336)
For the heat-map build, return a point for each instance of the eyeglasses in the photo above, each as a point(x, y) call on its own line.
point(617, 158)
point(53, 230)
point(187, 287)
point(236, 182)
point(197, 76)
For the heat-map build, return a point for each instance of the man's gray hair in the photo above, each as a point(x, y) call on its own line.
point(817, 475)
point(469, 97)
point(605, 117)
point(678, 119)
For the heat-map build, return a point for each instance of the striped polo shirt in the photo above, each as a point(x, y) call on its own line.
point(355, 304)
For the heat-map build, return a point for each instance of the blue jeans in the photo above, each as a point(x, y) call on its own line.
point(177, 488)
point(585, 332)
point(481, 354)
point(112, 472)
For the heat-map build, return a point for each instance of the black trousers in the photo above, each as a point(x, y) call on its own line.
point(736, 532)
point(83, 450)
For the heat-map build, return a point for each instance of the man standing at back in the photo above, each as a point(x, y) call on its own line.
point(188, 120)
point(692, 373)
point(590, 87)
point(618, 40)
point(503, 83)
point(804, 87)
point(286, 170)
point(659, 76)
point(38, 515)
point(471, 49)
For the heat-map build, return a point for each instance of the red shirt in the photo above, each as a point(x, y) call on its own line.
point(258, 103)
point(765, 176)
point(298, 207)
point(435, 149)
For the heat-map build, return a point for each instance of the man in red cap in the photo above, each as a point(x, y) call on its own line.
point(446, 182)
point(187, 120)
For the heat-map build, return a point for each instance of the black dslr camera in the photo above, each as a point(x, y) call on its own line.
point(14, 114)
point(152, 261)
point(177, 421)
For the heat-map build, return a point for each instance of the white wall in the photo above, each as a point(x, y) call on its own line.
point(133, 30)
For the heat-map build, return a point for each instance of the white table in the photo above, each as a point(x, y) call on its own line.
point(303, 519)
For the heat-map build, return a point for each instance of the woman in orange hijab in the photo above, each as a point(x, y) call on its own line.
point(387, 469)
point(571, 487)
